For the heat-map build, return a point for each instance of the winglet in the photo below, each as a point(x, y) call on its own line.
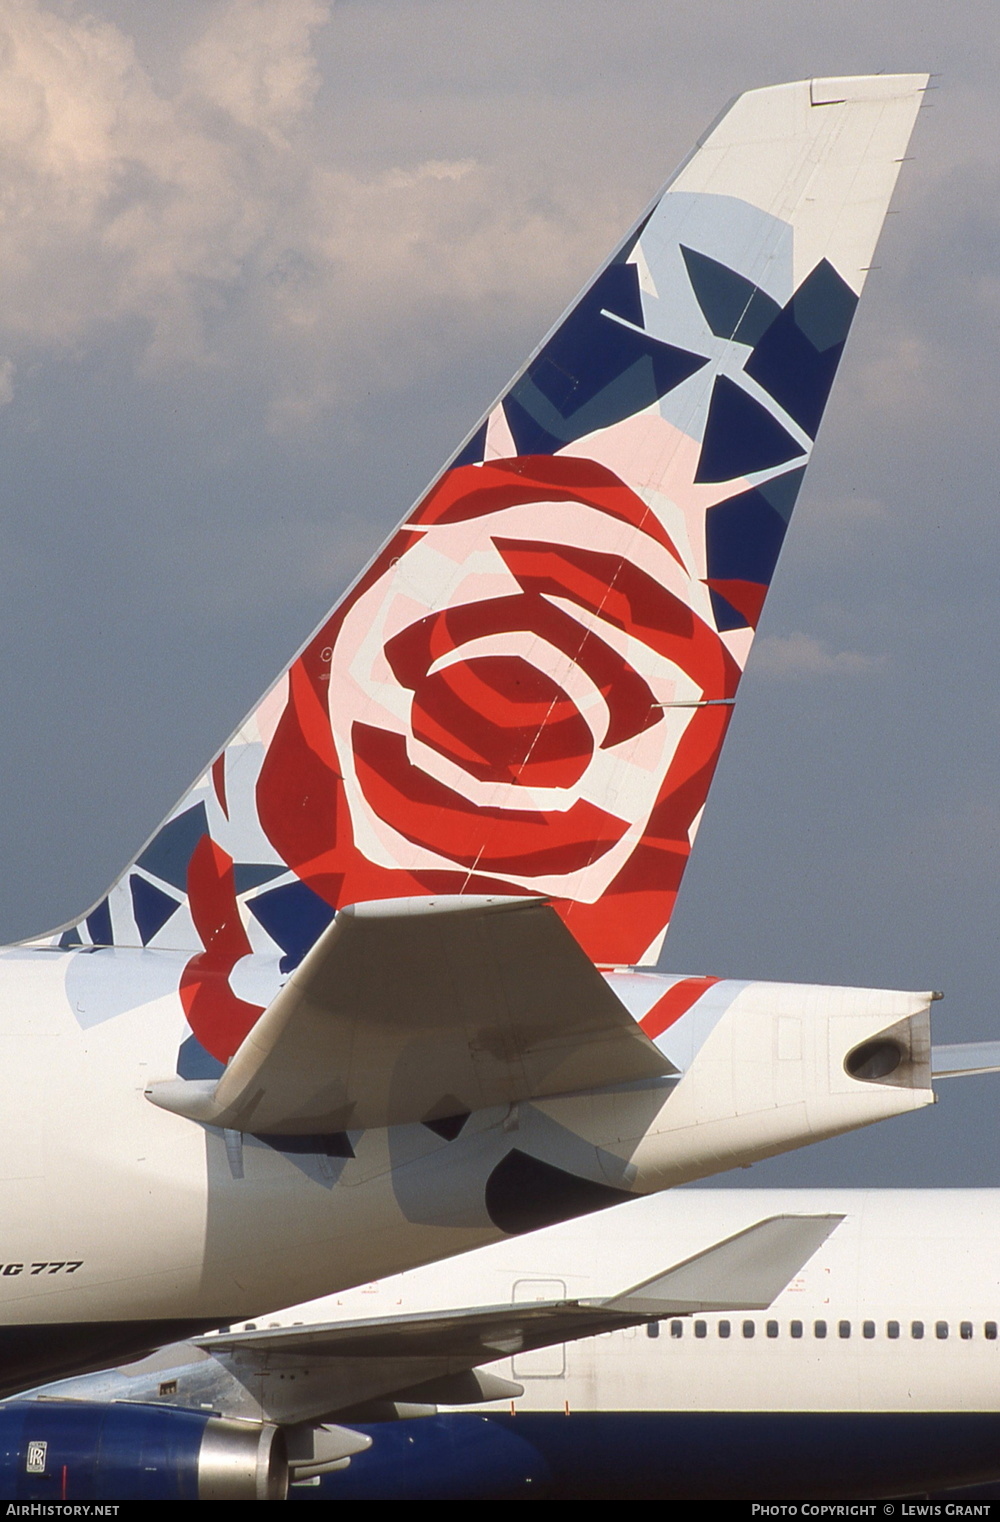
point(746, 1272)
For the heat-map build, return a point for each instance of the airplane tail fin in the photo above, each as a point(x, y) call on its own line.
point(527, 689)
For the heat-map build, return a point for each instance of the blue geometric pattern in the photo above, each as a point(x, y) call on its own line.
point(599, 368)
point(99, 924)
point(151, 907)
point(797, 358)
point(169, 852)
point(194, 1062)
point(294, 917)
point(743, 537)
point(733, 307)
point(741, 436)
point(473, 451)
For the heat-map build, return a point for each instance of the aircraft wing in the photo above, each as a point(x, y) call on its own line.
point(965, 1059)
point(303, 1377)
point(743, 1273)
point(419, 1010)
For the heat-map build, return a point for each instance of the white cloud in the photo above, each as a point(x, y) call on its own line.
point(254, 60)
point(119, 201)
point(794, 656)
point(207, 211)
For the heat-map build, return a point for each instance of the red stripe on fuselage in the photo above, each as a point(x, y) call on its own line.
point(675, 1002)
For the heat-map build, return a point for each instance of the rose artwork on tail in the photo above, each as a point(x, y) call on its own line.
point(495, 703)
point(528, 689)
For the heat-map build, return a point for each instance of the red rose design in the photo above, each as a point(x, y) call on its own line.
point(506, 701)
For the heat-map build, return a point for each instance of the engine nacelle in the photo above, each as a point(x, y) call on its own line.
point(67, 1450)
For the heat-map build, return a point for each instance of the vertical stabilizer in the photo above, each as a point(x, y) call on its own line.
point(528, 688)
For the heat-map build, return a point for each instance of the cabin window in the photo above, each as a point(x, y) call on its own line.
point(772, 1329)
point(868, 1329)
point(965, 1331)
point(652, 1329)
point(892, 1329)
point(843, 1329)
point(677, 1329)
point(701, 1329)
point(819, 1328)
point(940, 1330)
point(749, 1328)
point(724, 1328)
point(795, 1327)
point(990, 1331)
point(916, 1330)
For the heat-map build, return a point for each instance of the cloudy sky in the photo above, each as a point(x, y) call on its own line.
point(263, 264)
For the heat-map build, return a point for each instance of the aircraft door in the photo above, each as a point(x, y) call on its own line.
point(543, 1363)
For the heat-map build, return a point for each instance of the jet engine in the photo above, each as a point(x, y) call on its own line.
point(68, 1450)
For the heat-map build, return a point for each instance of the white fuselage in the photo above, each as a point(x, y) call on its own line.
point(900, 1258)
point(121, 1216)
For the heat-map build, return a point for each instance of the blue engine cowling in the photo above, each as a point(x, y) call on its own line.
point(459, 1456)
point(67, 1450)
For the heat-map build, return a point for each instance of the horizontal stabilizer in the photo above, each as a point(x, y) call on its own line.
point(421, 1009)
point(965, 1059)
